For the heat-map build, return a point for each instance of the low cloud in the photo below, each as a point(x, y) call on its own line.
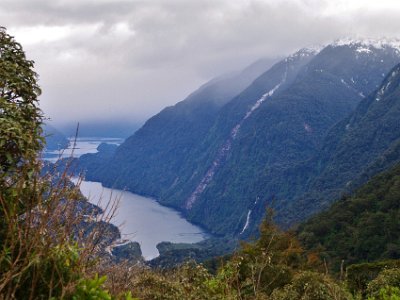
point(127, 60)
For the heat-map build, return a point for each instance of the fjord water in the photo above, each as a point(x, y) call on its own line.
point(79, 146)
point(139, 218)
point(143, 219)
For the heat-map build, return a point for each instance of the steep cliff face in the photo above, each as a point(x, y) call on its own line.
point(258, 159)
point(362, 145)
point(149, 161)
point(221, 162)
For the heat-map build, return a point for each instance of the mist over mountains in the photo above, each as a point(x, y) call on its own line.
point(111, 128)
point(294, 138)
point(126, 173)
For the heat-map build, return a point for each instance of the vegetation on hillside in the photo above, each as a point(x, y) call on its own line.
point(46, 252)
point(280, 156)
point(273, 267)
point(363, 227)
point(55, 140)
point(362, 145)
point(47, 245)
point(148, 162)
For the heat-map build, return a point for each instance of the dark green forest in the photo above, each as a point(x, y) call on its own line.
point(363, 227)
point(320, 134)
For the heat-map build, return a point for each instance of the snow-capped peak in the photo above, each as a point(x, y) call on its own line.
point(304, 52)
point(364, 45)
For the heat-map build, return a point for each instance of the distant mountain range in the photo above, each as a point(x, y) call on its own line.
point(55, 140)
point(295, 137)
point(105, 128)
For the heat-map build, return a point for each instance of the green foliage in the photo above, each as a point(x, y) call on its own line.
point(311, 286)
point(385, 286)
point(39, 220)
point(91, 289)
point(387, 293)
point(172, 254)
point(362, 145)
point(20, 118)
point(271, 261)
point(190, 281)
point(42, 273)
point(363, 227)
point(20, 131)
point(39, 261)
point(154, 155)
point(130, 251)
point(281, 151)
point(272, 267)
point(359, 275)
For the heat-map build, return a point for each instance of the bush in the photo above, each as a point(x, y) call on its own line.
point(359, 275)
point(91, 289)
point(21, 119)
point(311, 286)
point(386, 285)
point(41, 253)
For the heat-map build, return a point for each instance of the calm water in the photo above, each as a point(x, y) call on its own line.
point(139, 218)
point(143, 219)
point(81, 146)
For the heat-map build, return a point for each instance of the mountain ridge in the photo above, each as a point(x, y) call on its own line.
point(256, 149)
point(374, 126)
point(248, 169)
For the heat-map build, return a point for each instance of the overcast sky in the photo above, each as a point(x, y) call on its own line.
point(127, 59)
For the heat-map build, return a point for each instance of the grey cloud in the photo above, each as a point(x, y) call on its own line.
point(129, 59)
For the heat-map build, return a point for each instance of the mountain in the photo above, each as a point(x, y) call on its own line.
point(55, 140)
point(265, 146)
point(360, 228)
point(102, 128)
point(237, 175)
point(152, 156)
point(360, 146)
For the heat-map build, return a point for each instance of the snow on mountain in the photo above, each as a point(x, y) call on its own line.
point(364, 45)
point(304, 52)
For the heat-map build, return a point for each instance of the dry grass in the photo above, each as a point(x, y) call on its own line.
point(59, 237)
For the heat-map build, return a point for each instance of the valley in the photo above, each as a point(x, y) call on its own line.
point(279, 179)
point(138, 218)
point(278, 142)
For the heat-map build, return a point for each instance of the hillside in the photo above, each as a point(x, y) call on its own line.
point(363, 227)
point(282, 133)
point(57, 245)
point(55, 140)
point(362, 145)
point(221, 167)
point(153, 155)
